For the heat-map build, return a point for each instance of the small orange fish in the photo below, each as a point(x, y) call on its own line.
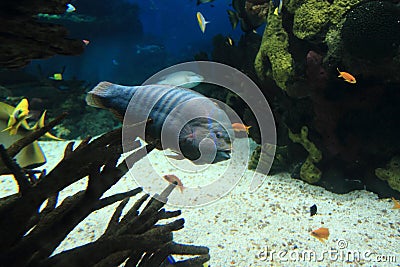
point(240, 127)
point(321, 234)
point(171, 178)
point(346, 76)
point(396, 204)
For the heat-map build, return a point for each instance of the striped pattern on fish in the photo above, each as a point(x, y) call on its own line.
point(157, 102)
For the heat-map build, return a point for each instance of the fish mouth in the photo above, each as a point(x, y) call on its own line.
point(222, 155)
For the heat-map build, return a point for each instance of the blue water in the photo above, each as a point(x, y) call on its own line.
point(113, 55)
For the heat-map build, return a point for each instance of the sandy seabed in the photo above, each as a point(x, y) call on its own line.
point(268, 227)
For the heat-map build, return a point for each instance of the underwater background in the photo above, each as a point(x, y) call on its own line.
point(328, 172)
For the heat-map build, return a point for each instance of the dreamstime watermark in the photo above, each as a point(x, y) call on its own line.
point(339, 254)
point(181, 111)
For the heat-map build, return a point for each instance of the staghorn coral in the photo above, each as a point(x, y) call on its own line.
point(391, 173)
point(308, 171)
point(274, 50)
point(30, 236)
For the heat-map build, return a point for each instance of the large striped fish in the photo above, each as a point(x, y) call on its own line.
point(185, 121)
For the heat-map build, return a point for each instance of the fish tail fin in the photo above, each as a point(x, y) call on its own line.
point(94, 97)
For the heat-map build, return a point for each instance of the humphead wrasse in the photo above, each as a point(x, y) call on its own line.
point(187, 122)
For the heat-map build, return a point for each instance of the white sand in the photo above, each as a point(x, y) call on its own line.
point(276, 217)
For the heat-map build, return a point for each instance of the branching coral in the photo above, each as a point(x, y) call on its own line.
point(29, 236)
point(308, 171)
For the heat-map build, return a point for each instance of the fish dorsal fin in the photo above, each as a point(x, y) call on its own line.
point(5, 111)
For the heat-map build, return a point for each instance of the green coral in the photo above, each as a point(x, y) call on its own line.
point(334, 43)
point(308, 171)
point(314, 20)
point(275, 50)
point(273, 161)
point(310, 19)
point(391, 173)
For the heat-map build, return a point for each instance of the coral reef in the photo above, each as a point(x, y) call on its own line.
point(311, 19)
point(279, 164)
point(273, 58)
point(365, 36)
point(256, 12)
point(23, 37)
point(308, 171)
point(30, 235)
point(391, 173)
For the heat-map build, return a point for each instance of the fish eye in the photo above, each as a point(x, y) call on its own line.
point(218, 134)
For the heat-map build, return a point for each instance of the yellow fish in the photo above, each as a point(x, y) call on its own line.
point(57, 77)
point(17, 117)
point(201, 21)
point(30, 156)
point(229, 41)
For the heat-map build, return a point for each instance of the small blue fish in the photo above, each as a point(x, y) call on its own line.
point(70, 8)
point(183, 119)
